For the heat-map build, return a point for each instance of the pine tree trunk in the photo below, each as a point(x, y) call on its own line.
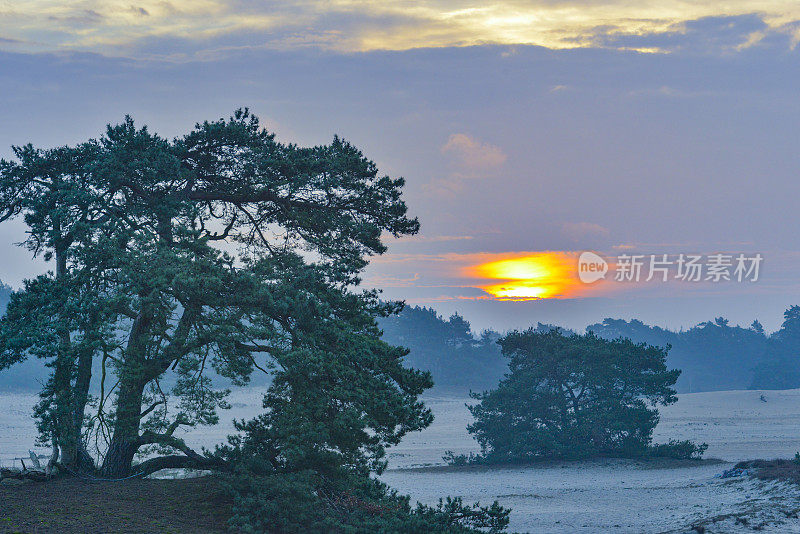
point(62, 434)
point(125, 440)
point(83, 378)
point(119, 458)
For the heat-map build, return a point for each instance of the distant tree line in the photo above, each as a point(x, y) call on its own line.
point(446, 348)
point(714, 355)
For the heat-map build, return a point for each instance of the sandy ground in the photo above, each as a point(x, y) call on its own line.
point(615, 496)
point(595, 496)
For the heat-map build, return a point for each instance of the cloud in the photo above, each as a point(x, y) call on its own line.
point(383, 281)
point(138, 10)
point(581, 231)
point(77, 18)
point(447, 187)
point(473, 154)
point(509, 276)
point(472, 159)
point(666, 91)
point(706, 35)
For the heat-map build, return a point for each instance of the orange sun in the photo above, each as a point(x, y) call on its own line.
point(539, 275)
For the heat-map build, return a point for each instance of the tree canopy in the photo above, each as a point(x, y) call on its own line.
point(222, 249)
point(572, 396)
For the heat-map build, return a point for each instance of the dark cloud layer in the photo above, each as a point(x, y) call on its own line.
point(709, 35)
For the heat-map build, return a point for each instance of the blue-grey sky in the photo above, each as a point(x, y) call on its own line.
point(520, 127)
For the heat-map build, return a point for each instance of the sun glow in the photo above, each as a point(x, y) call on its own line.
point(540, 275)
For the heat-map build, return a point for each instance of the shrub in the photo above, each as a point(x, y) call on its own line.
point(307, 502)
point(679, 450)
point(462, 459)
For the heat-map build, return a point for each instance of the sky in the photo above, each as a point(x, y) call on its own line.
point(527, 132)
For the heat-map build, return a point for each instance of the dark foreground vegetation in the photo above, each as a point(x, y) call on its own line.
point(74, 505)
point(281, 503)
point(784, 470)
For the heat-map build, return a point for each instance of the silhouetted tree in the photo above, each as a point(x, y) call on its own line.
point(572, 396)
point(133, 220)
